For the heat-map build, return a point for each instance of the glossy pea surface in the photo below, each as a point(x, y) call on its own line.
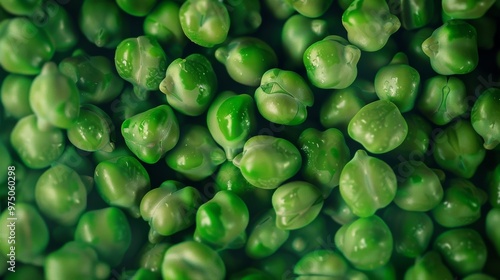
point(485, 118)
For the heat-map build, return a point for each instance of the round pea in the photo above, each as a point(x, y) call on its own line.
point(138, 8)
point(485, 118)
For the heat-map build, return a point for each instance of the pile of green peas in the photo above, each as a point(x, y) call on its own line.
point(249, 139)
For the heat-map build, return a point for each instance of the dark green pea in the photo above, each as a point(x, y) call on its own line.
point(29, 246)
point(54, 98)
point(266, 161)
point(169, 209)
point(369, 24)
point(283, 97)
point(416, 14)
point(231, 120)
point(129, 104)
point(452, 48)
point(373, 61)
point(196, 156)
point(93, 130)
point(120, 150)
point(265, 237)
point(299, 32)
point(296, 204)
point(17, 54)
point(205, 22)
point(107, 231)
point(75, 260)
point(443, 98)
point(332, 63)
point(461, 204)
point(103, 23)
point(142, 62)
point(192, 260)
point(59, 27)
point(138, 8)
point(315, 235)
point(280, 9)
point(151, 256)
point(459, 149)
point(337, 209)
point(416, 144)
point(412, 231)
point(492, 229)
point(20, 7)
point(479, 276)
point(94, 76)
point(15, 92)
point(79, 161)
point(122, 182)
point(5, 163)
point(386, 272)
point(486, 29)
point(151, 134)
point(485, 117)
point(311, 8)
point(25, 271)
point(463, 250)
point(251, 274)
point(37, 148)
point(278, 265)
point(221, 221)
point(399, 83)
point(493, 186)
point(370, 192)
point(340, 106)
point(246, 59)
point(325, 154)
point(229, 178)
point(419, 188)
point(190, 84)
point(143, 274)
point(366, 243)
point(464, 9)
point(322, 263)
point(428, 266)
point(413, 48)
point(244, 16)
point(379, 127)
point(61, 195)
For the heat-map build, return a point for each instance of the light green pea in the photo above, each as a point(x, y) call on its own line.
point(151, 134)
point(265, 237)
point(375, 189)
point(15, 92)
point(464, 9)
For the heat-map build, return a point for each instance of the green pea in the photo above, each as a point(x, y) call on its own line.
point(340, 107)
point(144, 274)
point(142, 62)
point(192, 260)
point(325, 154)
point(399, 83)
point(493, 186)
point(419, 188)
point(412, 231)
point(15, 95)
point(379, 127)
point(277, 265)
point(332, 63)
point(79, 161)
point(299, 32)
point(373, 61)
point(246, 59)
point(151, 134)
point(229, 178)
point(416, 14)
point(251, 274)
point(370, 192)
point(54, 98)
point(283, 97)
point(311, 8)
point(59, 28)
point(94, 76)
point(30, 231)
point(17, 55)
point(484, 117)
point(323, 264)
point(463, 250)
point(107, 231)
point(36, 147)
point(75, 260)
point(205, 22)
point(266, 161)
point(337, 209)
point(221, 221)
point(129, 104)
point(122, 182)
point(231, 120)
point(428, 266)
point(479, 276)
point(138, 8)
point(103, 23)
point(244, 16)
point(61, 195)
point(196, 156)
point(366, 243)
point(417, 141)
point(458, 149)
point(369, 24)
point(452, 48)
point(461, 204)
point(492, 229)
point(309, 238)
point(20, 7)
point(190, 84)
point(280, 9)
point(151, 256)
point(265, 237)
point(463, 9)
point(169, 209)
point(443, 98)
point(93, 130)
point(416, 56)
point(26, 271)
